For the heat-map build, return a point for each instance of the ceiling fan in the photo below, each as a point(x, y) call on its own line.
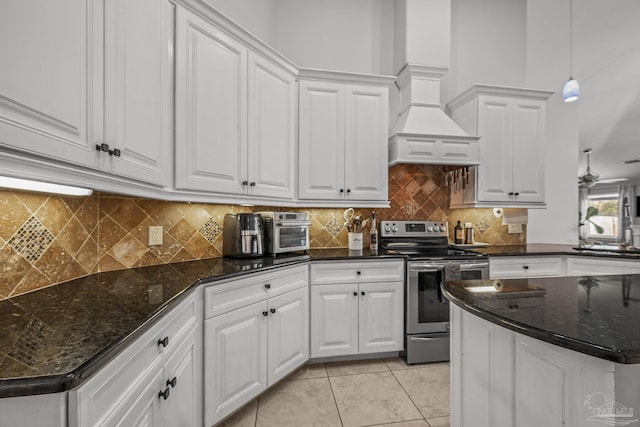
point(589, 178)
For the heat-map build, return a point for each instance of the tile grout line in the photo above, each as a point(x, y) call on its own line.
point(335, 401)
point(410, 398)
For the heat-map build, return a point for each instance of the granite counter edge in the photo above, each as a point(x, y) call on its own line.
point(610, 354)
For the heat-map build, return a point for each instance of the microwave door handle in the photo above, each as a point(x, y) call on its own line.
point(294, 224)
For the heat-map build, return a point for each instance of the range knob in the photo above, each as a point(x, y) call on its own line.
point(394, 228)
point(430, 229)
point(442, 228)
point(387, 228)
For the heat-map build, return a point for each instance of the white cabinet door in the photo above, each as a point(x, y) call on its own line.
point(288, 333)
point(495, 171)
point(236, 366)
point(528, 159)
point(334, 320)
point(366, 151)
point(145, 410)
point(272, 129)
point(51, 79)
point(138, 107)
point(486, 364)
point(321, 141)
point(183, 377)
point(381, 309)
point(211, 96)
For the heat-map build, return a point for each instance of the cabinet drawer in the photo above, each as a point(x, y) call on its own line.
point(235, 293)
point(326, 273)
point(112, 389)
point(585, 266)
point(510, 267)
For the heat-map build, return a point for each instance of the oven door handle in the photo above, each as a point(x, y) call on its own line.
point(429, 268)
point(474, 266)
point(293, 223)
point(435, 339)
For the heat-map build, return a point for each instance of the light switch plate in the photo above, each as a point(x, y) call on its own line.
point(515, 228)
point(155, 235)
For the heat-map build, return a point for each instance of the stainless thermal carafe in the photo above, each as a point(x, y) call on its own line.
point(243, 236)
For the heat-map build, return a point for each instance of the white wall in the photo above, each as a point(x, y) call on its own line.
point(337, 34)
point(547, 65)
point(488, 44)
point(259, 17)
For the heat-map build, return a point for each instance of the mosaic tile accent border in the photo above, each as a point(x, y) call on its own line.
point(31, 240)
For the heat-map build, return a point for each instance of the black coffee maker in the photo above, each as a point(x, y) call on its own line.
point(243, 236)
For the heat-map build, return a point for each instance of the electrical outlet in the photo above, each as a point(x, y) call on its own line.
point(515, 228)
point(155, 235)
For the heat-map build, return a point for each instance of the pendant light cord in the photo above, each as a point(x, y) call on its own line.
point(570, 39)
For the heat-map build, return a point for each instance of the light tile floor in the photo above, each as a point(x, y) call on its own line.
point(383, 392)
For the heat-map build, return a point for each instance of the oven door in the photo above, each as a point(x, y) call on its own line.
point(427, 308)
point(290, 236)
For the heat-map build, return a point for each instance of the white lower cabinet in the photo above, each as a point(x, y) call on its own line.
point(156, 381)
point(502, 378)
point(356, 307)
point(252, 345)
point(526, 266)
point(584, 266)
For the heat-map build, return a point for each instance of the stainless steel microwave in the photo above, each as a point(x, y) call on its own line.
point(286, 231)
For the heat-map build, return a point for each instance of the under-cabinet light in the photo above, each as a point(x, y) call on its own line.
point(43, 187)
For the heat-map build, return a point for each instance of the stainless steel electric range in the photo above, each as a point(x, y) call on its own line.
point(429, 262)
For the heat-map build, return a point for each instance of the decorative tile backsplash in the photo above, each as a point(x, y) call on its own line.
point(48, 239)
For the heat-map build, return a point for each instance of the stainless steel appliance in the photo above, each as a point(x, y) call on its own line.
point(243, 236)
point(430, 261)
point(286, 231)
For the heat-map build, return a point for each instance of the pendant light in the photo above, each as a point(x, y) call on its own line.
point(571, 89)
point(589, 178)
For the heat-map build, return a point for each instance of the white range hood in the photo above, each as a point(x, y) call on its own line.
point(423, 132)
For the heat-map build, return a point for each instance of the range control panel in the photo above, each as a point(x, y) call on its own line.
point(413, 229)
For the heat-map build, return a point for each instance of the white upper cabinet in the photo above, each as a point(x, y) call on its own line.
point(235, 115)
point(343, 133)
point(87, 73)
point(139, 89)
point(51, 80)
point(511, 124)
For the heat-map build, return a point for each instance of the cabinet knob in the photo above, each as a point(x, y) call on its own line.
point(253, 184)
point(172, 382)
point(355, 294)
point(267, 286)
point(362, 293)
point(525, 267)
point(358, 273)
point(516, 194)
point(115, 152)
point(163, 341)
point(510, 193)
point(348, 190)
point(102, 147)
point(265, 313)
point(245, 182)
point(341, 190)
point(164, 394)
point(273, 310)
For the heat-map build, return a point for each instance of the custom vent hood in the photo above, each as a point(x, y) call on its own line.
point(421, 131)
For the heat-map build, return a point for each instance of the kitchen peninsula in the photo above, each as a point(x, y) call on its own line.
point(545, 351)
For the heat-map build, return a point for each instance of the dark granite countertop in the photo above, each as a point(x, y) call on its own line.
point(54, 338)
point(595, 315)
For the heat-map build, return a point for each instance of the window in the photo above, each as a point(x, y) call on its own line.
point(607, 205)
